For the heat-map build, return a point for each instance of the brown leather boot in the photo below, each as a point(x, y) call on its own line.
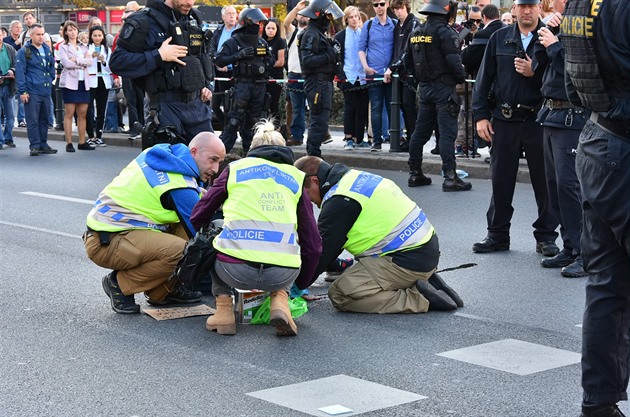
point(223, 321)
point(280, 316)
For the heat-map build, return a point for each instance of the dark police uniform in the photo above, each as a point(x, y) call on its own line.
point(409, 105)
point(599, 67)
point(512, 112)
point(318, 60)
point(174, 89)
point(562, 123)
point(434, 53)
point(250, 75)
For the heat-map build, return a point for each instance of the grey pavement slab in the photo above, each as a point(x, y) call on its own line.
point(514, 356)
point(355, 394)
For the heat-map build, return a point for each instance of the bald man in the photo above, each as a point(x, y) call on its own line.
point(140, 222)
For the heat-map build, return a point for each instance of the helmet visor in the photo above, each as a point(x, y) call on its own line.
point(334, 10)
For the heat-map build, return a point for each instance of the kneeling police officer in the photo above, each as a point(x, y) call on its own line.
point(164, 48)
point(249, 54)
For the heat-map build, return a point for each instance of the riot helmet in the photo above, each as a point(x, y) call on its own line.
point(250, 16)
point(439, 7)
point(319, 8)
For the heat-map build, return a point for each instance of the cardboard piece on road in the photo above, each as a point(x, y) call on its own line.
point(170, 313)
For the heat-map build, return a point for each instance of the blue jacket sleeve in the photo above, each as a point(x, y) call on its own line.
point(20, 71)
point(182, 201)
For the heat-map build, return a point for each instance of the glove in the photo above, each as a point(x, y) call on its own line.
point(246, 52)
point(337, 47)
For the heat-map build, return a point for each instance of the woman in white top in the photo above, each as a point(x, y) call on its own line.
point(100, 83)
point(75, 89)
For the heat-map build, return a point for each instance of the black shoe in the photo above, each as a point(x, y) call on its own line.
point(452, 182)
point(559, 261)
point(418, 179)
point(34, 152)
point(575, 270)
point(48, 150)
point(439, 284)
point(85, 147)
point(489, 244)
point(9, 144)
point(599, 410)
point(404, 146)
point(376, 147)
point(436, 150)
point(70, 148)
point(547, 248)
point(438, 299)
point(181, 295)
point(121, 303)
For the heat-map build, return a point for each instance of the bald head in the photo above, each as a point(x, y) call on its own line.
point(208, 151)
point(310, 166)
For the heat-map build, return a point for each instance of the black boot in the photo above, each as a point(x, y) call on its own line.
point(439, 284)
point(438, 299)
point(416, 176)
point(453, 183)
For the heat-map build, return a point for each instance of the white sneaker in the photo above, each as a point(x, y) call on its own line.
point(91, 142)
point(99, 142)
point(349, 144)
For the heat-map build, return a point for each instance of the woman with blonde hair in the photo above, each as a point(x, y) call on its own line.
point(269, 238)
point(74, 83)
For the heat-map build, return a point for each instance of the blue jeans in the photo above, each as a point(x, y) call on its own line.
point(20, 108)
point(246, 277)
point(379, 93)
point(6, 104)
point(37, 112)
point(297, 95)
point(111, 113)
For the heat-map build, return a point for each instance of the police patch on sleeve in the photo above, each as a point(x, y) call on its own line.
point(127, 31)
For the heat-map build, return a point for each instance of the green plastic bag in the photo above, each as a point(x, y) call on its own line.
point(297, 306)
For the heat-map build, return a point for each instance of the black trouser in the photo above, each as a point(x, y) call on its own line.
point(218, 97)
point(603, 168)
point(355, 112)
point(98, 94)
point(135, 103)
point(509, 141)
point(319, 97)
point(560, 148)
point(246, 107)
point(434, 104)
point(409, 105)
point(275, 90)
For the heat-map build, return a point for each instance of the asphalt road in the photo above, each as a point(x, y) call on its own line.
point(64, 352)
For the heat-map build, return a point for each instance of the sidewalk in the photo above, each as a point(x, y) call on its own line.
point(333, 153)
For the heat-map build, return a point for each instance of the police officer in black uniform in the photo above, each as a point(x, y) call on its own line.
point(508, 120)
point(562, 123)
point(434, 54)
point(319, 59)
point(164, 48)
point(251, 59)
point(599, 67)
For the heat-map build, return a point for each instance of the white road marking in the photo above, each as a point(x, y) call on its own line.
point(39, 229)
point(58, 197)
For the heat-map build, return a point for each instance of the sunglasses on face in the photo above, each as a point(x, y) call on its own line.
point(477, 21)
point(382, 4)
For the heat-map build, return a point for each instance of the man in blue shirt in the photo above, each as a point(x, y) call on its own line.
point(376, 47)
point(35, 72)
